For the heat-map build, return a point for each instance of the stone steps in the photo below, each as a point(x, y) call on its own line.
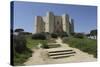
point(61, 54)
point(60, 51)
point(58, 57)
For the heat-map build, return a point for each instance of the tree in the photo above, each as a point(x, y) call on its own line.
point(19, 30)
point(93, 33)
point(88, 35)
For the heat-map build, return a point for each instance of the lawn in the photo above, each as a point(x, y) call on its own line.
point(84, 44)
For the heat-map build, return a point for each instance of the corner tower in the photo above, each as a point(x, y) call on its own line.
point(39, 24)
point(50, 22)
point(65, 22)
point(72, 26)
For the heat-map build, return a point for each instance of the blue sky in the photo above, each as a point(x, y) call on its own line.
point(85, 17)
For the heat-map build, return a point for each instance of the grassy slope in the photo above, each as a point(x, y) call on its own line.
point(85, 44)
point(33, 43)
point(19, 59)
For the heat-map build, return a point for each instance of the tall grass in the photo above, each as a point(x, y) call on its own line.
point(84, 44)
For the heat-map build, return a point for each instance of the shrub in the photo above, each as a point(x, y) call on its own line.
point(20, 50)
point(54, 35)
point(72, 34)
point(44, 45)
point(25, 33)
point(19, 43)
point(64, 34)
point(38, 36)
point(79, 35)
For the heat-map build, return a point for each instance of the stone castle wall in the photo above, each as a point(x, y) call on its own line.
point(54, 24)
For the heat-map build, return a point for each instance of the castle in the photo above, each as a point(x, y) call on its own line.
point(54, 24)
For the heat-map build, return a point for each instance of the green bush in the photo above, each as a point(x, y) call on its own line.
point(39, 36)
point(25, 33)
point(20, 50)
point(19, 43)
point(72, 34)
point(79, 35)
point(54, 35)
point(44, 45)
point(64, 34)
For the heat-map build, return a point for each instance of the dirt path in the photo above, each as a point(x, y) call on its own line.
point(39, 57)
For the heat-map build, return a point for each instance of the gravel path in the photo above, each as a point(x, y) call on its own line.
point(39, 56)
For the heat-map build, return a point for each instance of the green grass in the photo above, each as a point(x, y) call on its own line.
point(85, 44)
point(20, 58)
point(31, 43)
